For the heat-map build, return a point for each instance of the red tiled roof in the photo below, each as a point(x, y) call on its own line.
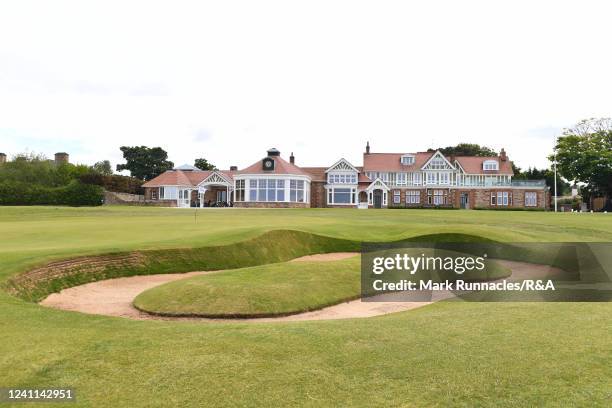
point(281, 166)
point(392, 161)
point(315, 173)
point(183, 178)
point(473, 165)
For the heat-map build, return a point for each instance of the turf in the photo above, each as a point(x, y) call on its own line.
point(460, 354)
point(267, 290)
point(276, 290)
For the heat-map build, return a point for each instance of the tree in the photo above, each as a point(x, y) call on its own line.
point(203, 164)
point(103, 167)
point(145, 163)
point(563, 187)
point(466, 149)
point(584, 154)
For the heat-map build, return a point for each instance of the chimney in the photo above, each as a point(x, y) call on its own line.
point(368, 148)
point(292, 158)
point(273, 152)
point(61, 158)
point(2, 158)
point(233, 168)
point(502, 155)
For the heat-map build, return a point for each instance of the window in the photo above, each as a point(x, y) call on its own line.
point(342, 196)
point(239, 195)
point(531, 199)
point(252, 190)
point(437, 197)
point(280, 190)
point(437, 163)
point(396, 197)
point(272, 190)
point(342, 178)
point(413, 197)
point(431, 178)
point(407, 160)
point(416, 179)
point(168, 193)
point(296, 191)
point(401, 179)
point(444, 178)
point(155, 191)
point(490, 165)
point(262, 190)
point(501, 198)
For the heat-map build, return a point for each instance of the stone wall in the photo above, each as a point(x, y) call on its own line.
point(317, 194)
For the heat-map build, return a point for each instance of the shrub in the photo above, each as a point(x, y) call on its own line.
point(73, 194)
point(116, 183)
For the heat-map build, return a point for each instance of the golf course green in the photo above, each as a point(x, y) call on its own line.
point(447, 353)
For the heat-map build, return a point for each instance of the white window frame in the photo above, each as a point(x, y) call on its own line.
point(431, 178)
point(531, 199)
point(407, 160)
point(413, 197)
point(490, 165)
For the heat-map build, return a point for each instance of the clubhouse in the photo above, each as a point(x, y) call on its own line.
point(384, 180)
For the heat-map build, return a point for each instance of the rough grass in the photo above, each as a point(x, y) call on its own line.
point(446, 354)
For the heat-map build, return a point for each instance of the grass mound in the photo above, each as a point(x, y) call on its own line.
point(275, 290)
point(268, 290)
point(270, 247)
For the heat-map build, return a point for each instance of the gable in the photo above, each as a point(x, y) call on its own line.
point(342, 165)
point(437, 162)
point(216, 178)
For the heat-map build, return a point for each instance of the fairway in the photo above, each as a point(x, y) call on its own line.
point(448, 353)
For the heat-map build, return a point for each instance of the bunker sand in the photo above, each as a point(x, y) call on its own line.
point(114, 297)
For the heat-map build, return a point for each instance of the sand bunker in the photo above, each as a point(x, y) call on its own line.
point(114, 297)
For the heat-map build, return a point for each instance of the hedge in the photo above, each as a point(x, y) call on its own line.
point(116, 183)
point(74, 194)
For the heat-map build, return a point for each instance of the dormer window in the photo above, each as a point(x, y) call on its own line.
point(407, 160)
point(490, 165)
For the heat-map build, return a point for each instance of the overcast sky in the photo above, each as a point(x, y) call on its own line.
point(226, 80)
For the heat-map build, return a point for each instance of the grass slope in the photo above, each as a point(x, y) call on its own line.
point(278, 289)
point(268, 290)
point(459, 354)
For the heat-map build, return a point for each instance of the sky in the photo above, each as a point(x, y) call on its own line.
point(226, 80)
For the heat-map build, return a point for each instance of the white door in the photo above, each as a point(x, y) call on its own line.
point(184, 200)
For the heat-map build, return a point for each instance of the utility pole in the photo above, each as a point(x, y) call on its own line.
point(555, 164)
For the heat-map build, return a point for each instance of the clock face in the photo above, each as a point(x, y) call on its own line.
point(268, 164)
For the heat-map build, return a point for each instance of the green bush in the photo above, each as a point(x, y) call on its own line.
point(73, 194)
point(116, 183)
